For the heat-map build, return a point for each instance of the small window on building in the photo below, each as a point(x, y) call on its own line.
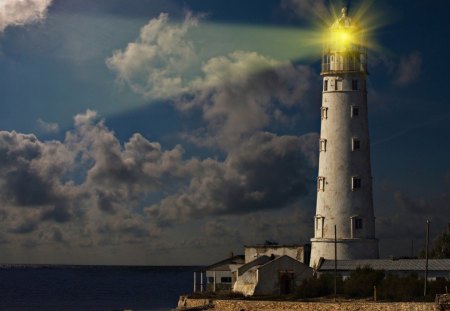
point(354, 85)
point(324, 113)
point(321, 183)
point(225, 280)
point(323, 145)
point(355, 111)
point(319, 226)
point(325, 85)
point(210, 279)
point(356, 144)
point(356, 183)
point(358, 223)
point(336, 85)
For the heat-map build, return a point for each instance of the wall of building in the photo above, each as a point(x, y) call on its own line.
point(269, 275)
point(432, 275)
point(253, 252)
point(218, 277)
point(233, 305)
point(346, 249)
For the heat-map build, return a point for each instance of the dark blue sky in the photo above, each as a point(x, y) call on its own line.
point(171, 136)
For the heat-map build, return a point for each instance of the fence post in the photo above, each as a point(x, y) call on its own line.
point(195, 282)
point(201, 281)
point(375, 293)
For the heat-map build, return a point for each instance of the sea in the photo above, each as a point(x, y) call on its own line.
point(93, 288)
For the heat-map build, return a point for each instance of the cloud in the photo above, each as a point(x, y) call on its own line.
point(238, 95)
point(152, 65)
point(266, 172)
point(409, 69)
point(90, 190)
point(162, 63)
point(47, 127)
point(222, 229)
point(244, 92)
point(89, 180)
point(21, 12)
point(412, 213)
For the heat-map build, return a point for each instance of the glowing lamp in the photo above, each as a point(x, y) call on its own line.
point(344, 48)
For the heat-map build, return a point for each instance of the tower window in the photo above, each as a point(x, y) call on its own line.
point(325, 85)
point(356, 144)
point(321, 183)
point(323, 145)
point(358, 223)
point(354, 85)
point(356, 183)
point(319, 226)
point(336, 85)
point(355, 111)
point(324, 113)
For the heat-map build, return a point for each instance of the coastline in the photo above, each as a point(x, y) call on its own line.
point(186, 303)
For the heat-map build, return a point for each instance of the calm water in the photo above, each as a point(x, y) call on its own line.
point(93, 288)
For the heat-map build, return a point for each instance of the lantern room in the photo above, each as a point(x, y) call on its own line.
point(344, 50)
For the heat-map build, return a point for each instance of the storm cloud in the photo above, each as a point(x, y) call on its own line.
point(90, 189)
point(266, 172)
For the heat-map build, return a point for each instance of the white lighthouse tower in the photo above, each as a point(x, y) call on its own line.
point(344, 184)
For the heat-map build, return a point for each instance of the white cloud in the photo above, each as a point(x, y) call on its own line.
point(154, 63)
point(47, 127)
point(242, 93)
point(21, 12)
point(159, 64)
point(238, 93)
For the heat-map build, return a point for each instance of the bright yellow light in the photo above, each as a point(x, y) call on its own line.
point(343, 36)
point(364, 20)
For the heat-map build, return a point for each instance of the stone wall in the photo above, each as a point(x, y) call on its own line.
point(243, 305)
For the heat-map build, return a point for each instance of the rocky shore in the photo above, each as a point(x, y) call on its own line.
point(190, 304)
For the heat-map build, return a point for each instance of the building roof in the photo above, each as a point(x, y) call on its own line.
point(223, 265)
point(387, 264)
point(277, 245)
point(256, 262)
point(283, 257)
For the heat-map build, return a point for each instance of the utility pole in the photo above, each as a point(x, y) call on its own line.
point(335, 261)
point(426, 259)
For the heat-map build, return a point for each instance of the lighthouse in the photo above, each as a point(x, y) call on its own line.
point(344, 182)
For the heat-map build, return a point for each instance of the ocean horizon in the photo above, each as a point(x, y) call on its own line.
point(50, 287)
